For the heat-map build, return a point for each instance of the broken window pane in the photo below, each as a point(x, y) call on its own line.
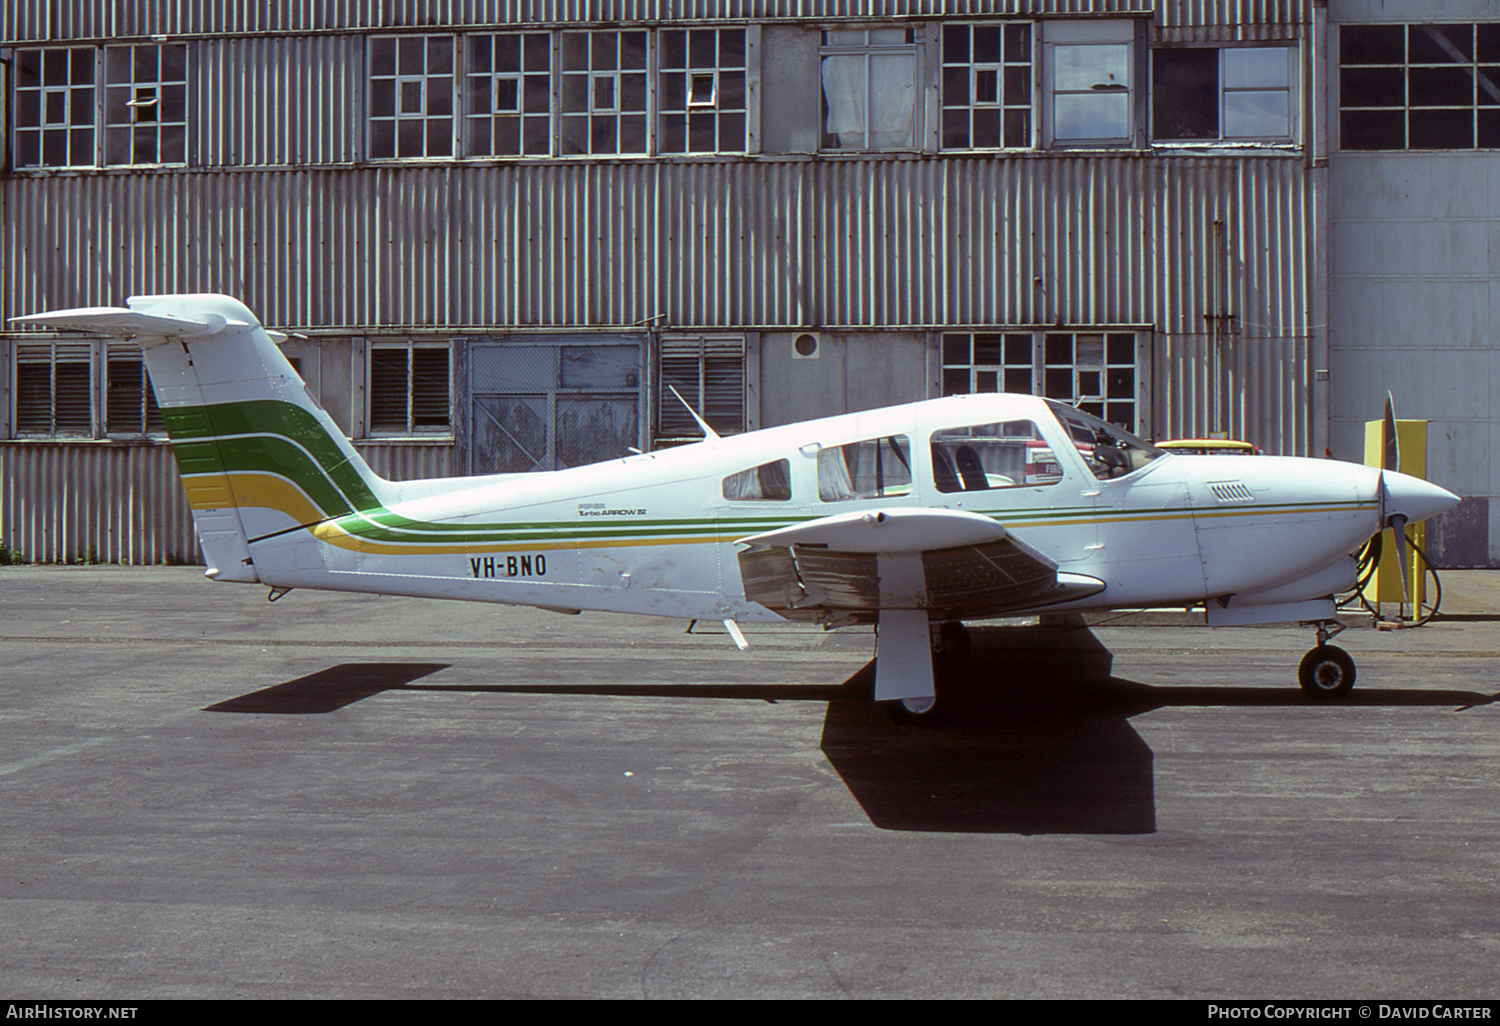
point(1185, 94)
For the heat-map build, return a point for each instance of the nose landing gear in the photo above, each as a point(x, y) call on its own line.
point(1327, 671)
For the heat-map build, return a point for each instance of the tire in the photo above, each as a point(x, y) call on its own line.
point(951, 645)
point(1326, 672)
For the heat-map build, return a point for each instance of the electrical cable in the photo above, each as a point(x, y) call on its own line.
point(1368, 562)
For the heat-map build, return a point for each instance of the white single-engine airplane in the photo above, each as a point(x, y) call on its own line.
point(914, 517)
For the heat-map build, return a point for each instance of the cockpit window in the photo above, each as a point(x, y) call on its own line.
point(870, 469)
point(1108, 451)
point(978, 457)
point(767, 482)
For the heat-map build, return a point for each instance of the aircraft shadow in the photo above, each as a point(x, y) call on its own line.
point(329, 689)
point(1050, 750)
point(1038, 739)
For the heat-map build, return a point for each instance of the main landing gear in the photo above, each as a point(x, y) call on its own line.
point(1327, 671)
point(951, 645)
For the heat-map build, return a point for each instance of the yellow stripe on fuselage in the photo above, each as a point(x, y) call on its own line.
point(247, 489)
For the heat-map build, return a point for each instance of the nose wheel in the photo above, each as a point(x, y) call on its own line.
point(1327, 671)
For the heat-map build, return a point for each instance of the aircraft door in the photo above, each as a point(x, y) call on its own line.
point(1014, 471)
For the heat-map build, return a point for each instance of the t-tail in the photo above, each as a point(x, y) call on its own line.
point(258, 456)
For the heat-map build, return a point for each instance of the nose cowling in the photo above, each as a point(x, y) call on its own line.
point(1412, 498)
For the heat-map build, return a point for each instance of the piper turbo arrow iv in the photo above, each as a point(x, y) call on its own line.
point(914, 518)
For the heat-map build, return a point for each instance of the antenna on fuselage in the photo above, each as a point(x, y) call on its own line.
point(709, 434)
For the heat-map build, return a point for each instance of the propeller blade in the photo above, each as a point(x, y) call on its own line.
point(1390, 445)
point(1398, 524)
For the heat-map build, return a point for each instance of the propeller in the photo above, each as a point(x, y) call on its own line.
point(1390, 459)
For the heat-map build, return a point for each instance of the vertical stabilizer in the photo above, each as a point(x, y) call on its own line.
point(257, 454)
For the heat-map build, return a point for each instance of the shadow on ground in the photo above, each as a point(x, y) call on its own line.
point(1037, 738)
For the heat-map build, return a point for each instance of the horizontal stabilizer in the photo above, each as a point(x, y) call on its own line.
point(123, 323)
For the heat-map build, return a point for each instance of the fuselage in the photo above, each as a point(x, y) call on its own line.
point(656, 533)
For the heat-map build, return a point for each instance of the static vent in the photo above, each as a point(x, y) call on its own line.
point(1231, 491)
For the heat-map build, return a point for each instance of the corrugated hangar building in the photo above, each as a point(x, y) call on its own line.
point(498, 230)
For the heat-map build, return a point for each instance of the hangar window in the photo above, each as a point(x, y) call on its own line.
point(70, 98)
point(508, 95)
point(410, 390)
point(1211, 94)
point(129, 403)
point(145, 104)
point(869, 79)
point(1419, 87)
point(769, 481)
point(870, 469)
point(987, 86)
point(54, 393)
point(605, 90)
point(701, 91)
point(56, 107)
point(1089, 75)
point(1096, 371)
point(411, 96)
point(708, 372)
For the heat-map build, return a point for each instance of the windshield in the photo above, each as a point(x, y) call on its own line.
point(1108, 451)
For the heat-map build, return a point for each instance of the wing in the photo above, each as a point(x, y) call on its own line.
point(952, 564)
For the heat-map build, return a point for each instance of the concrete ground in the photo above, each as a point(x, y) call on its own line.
point(205, 795)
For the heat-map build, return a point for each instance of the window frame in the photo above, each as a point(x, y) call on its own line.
point(1223, 91)
point(914, 46)
point(721, 112)
point(526, 74)
point(122, 119)
point(411, 429)
point(389, 110)
point(1072, 38)
point(1010, 70)
point(1359, 80)
point(671, 423)
point(70, 130)
point(1040, 369)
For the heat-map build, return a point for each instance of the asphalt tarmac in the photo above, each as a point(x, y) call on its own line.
point(209, 796)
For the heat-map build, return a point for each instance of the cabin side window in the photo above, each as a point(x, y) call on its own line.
point(767, 482)
point(870, 469)
point(978, 457)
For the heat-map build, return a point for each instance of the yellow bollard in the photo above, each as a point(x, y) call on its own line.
point(1411, 437)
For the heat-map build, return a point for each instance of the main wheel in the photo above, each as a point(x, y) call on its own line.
point(1326, 672)
point(951, 645)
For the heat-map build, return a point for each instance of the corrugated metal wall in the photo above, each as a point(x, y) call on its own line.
point(111, 19)
point(741, 244)
point(123, 503)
